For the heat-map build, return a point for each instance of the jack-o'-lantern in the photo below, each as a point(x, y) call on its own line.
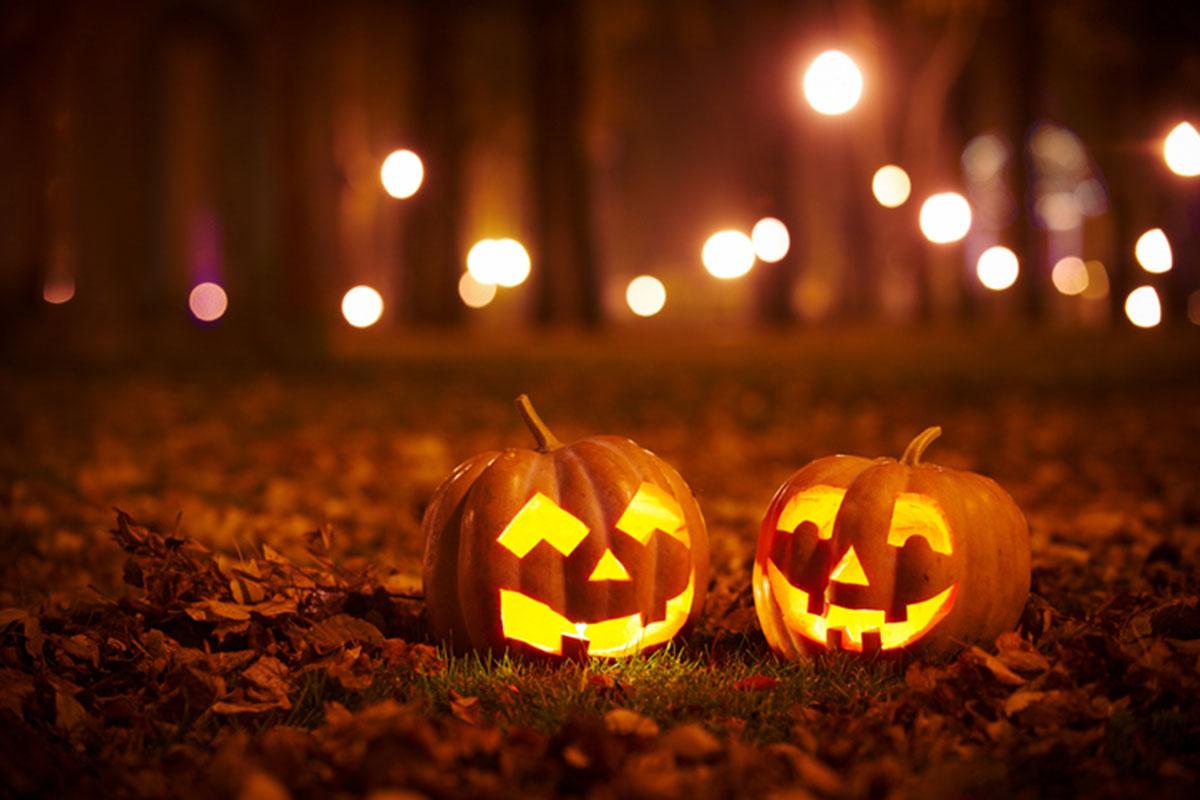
point(593, 548)
point(866, 555)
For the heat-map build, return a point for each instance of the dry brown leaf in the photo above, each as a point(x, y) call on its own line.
point(340, 630)
point(691, 742)
point(993, 665)
point(466, 709)
point(630, 723)
point(810, 770)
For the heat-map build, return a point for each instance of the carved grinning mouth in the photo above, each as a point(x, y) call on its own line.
point(536, 624)
point(856, 624)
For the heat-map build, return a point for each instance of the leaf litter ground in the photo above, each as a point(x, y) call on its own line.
point(249, 624)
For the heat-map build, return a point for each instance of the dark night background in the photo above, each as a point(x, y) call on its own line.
point(150, 146)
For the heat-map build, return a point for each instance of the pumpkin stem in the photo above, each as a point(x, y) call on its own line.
point(916, 448)
point(546, 440)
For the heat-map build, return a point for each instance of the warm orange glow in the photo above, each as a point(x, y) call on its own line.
point(850, 570)
point(854, 622)
point(1181, 150)
point(362, 306)
point(833, 83)
point(57, 291)
point(1070, 276)
point(728, 254)
point(945, 217)
point(646, 295)
point(653, 509)
point(917, 515)
point(473, 293)
point(1153, 251)
point(207, 302)
point(542, 519)
point(502, 262)
point(818, 505)
point(997, 268)
point(402, 174)
point(770, 239)
point(891, 186)
point(536, 624)
point(1143, 307)
point(609, 568)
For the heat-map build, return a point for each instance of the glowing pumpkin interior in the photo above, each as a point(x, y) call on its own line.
point(531, 622)
point(855, 629)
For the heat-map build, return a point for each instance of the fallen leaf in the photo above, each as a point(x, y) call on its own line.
point(691, 742)
point(340, 630)
point(624, 722)
point(997, 668)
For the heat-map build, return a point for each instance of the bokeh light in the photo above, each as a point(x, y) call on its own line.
point(945, 217)
point(362, 306)
point(770, 239)
point(402, 173)
point(57, 291)
point(473, 293)
point(207, 302)
point(1153, 251)
point(1097, 281)
point(1194, 308)
point(1070, 275)
point(502, 262)
point(1143, 307)
point(984, 157)
point(728, 254)
point(997, 268)
point(1181, 150)
point(646, 295)
point(891, 186)
point(833, 83)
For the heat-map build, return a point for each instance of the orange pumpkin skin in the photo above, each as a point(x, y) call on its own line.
point(563, 549)
point(877, 555)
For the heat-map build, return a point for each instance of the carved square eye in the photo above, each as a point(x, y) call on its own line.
point(818, 505)
point(917, 515)
point(653, 509)
point(542, 519)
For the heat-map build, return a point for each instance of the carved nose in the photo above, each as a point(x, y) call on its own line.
point(609, 568)
point(850, 570)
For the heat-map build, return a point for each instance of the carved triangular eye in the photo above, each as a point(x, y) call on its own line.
point(542, 519)
point(609, 568)
point(850, 570)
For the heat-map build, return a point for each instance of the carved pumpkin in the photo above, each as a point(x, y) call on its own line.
point(866, 555)
point(593, 548)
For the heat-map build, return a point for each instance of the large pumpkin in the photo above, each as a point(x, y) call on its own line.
point(593, 548)
point(866, 555)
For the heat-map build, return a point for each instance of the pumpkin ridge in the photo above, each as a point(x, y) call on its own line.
point(652, 545)
point(570, 454)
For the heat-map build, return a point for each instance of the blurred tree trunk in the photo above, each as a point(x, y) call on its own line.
point(432, 263)
point(1026, 47)
point(765, 36)
point(563, 251)
point(926, 147)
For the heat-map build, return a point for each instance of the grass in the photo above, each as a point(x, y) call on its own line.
point(744, 689)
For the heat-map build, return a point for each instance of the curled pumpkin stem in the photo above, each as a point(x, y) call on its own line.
point(916, 448)
point(546, 440)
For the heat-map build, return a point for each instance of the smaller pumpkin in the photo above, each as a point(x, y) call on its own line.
point(875, 555)
point(594, 548)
